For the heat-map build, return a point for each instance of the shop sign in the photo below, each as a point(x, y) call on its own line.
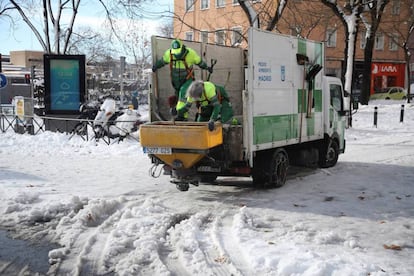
point(384, 68)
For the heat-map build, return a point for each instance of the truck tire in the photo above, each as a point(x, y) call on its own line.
point(259, 171)
point(271, 174)
point(329, 156)
point(278, 168)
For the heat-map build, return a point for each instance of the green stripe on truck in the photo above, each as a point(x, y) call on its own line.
point(275, 128)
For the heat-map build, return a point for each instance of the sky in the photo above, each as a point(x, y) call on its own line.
point(22, 38)
point(106, 215)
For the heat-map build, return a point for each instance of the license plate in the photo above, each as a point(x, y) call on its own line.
point(157, 150)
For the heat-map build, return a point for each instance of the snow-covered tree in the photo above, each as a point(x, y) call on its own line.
point(349, 16)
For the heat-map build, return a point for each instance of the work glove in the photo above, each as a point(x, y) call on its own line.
point(210, 69)
point(211, 125)
point(154, 68)
point(173, 111)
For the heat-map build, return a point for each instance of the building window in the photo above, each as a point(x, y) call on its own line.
point(331, 38)
point(189, 5)
point(235, 2)
point(204, 4)
point(236, 36)
point(396, 6)
point(220, 3)
point(393, 42)
point(189, 36)
point(363, 41)
point(379, 41)
point(220, 37)
point(204, 36)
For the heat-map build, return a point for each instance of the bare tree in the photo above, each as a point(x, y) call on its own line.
point(267, 13)
point(167, 28)
point(93, 44)
point(399, 30)
point(54, 35)
point(371, 19)
point(136, 41)
point(301, 19)
point(5, 8)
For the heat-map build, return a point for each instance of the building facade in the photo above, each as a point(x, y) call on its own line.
point(224, 22)
point(27, 59)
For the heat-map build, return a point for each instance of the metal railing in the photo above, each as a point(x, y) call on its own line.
point(83, 128)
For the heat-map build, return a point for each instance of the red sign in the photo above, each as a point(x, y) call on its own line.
point(384, 68)
point(387, 75)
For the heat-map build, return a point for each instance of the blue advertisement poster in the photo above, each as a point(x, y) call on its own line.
point(64, 84)
point(65, 77)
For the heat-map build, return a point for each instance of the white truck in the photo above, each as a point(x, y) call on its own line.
point(286, 112)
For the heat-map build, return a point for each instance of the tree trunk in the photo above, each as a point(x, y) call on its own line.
point(407, 64)
point(366, 74)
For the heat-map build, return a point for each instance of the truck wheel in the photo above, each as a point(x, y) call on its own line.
point(329, 156)
point(278, 168)
point(270, 174)
point(259, 171)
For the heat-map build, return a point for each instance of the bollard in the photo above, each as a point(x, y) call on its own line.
point(375, 116)
point(402, 114)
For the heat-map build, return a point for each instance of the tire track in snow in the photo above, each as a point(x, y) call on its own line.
point(204, 242)
point(101, 220)
point(87, 263)
point(166, 250)
point(228, 247)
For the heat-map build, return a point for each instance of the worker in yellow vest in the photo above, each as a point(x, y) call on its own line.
point(181, 60)
point(212, 101)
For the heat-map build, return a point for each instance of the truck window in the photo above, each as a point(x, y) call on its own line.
point(336, 96)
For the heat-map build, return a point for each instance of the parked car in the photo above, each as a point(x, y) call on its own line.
point(390, 93)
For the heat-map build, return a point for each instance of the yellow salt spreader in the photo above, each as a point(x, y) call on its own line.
point(180, 146)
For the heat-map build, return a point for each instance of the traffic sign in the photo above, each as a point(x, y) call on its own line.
point(3, 81)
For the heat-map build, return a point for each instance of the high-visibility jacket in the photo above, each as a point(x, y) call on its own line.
point(214, 104)
point(181, 69)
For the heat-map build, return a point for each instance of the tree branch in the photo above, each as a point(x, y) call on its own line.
point(31, 26)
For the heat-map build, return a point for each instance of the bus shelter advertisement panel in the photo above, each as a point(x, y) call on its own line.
point(66, 84)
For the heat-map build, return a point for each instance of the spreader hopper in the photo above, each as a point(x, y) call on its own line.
point(179, 144)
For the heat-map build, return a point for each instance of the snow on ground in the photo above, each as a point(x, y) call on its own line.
point(109, 216)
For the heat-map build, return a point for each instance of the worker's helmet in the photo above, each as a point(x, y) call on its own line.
point(176, 46)
point(178, 49)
